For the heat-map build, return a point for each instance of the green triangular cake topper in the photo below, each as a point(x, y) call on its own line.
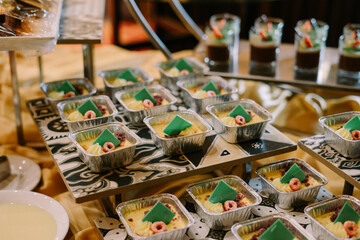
point(89, 106)
point(159, 212)
point(176, 125)
point(347, 213)
point(222, 193)
point(294, 172)
point(239, 110)
point(277, 231)
point(144, 94)
point(129, 76)
point(210, 86)
point(353, 124)
point(67, 87)
point(182, 64)
point(107, 136)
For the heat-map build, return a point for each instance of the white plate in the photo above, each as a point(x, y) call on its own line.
point(25, 174)
point(40, 200)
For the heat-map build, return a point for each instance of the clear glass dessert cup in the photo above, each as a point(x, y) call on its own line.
point(349, 60)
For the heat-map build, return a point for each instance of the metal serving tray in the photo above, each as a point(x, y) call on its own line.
point(287, 200)
point(199, 104)
point(239, 133)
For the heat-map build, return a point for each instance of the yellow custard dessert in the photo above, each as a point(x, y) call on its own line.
point(133, 104)
point(249, 236)
point(61, 95)
point(343, 132)
point(75, 115)
point(224, 117)
point(159, 128)
point(140, 228)
point(275, 176)
point(199, 93)
point(120, 82)
point(337, 228)
point(96, 149)
point(241, 201)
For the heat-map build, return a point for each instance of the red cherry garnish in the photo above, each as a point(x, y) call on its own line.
point(308, 41)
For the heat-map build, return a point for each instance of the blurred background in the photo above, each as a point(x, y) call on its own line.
point(122, 30)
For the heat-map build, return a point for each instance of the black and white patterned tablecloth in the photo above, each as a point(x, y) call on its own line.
point(149, 164)
point(110, 228)
point(345, 167)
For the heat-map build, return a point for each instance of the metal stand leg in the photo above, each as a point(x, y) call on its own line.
point(16, 97)
point(247, 172)
point(41, 74)
point(88, 62)
point(108, 206)
point(348, 188)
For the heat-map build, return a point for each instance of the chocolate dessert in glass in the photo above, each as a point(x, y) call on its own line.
point(265, 38)
point(310, 42)
point(222, 43)
point(349, 50)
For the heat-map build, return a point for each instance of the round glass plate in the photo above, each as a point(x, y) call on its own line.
point(25, 174)
point(56, 210)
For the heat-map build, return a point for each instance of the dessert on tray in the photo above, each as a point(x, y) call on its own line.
point(291, 180)
point(182, 67)
point(125, 78)
point(106, 142)
point(67, 90)
point(143, 99)
point(349, 130)
point(207, 90)
point(239, 116)
point(87, 110)
point(349, 49)
point(223, 198)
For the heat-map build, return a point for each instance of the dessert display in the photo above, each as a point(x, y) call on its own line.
point(67, 90)
point(349, 130)
point(238, 116)
point(291, 180)
point(5, 170)
point(177, 127)
point(222, 38)
point(181, 67)
point(343, 221)
point(127, 77)
point(223, 198)
point(276, 231)
point(349, 48)
point(155, 219)
point(206, 90)
point(143, 99)
point(105, 142)
point(87, 110)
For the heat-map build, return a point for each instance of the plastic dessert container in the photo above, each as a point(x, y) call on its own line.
point(254, 225)
point(288, 200)
point(79, 125)
point(228, 218)
point(52, 86)
point(110, 75)
point(137, 116)
point(199, 104)
point(347, 148)
point(317, 209)
point(113, 159)
point(183, 144)
point(239, 133)
point(176, 234)
point(169, 81)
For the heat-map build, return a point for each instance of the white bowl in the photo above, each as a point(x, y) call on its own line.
point(42, 201)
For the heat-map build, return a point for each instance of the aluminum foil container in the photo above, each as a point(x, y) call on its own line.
point(347, 148)
point(137, 116)
point(112, 74)
point(183, 144)
point(114, 159)
point(52, 86)
point(228, 218)
point(320, 208)
point(239, 133)
point(287, 200)
point(199, 104)
point(176, 234)
point(170, 81)
point(254, 225)
point(89, 123)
